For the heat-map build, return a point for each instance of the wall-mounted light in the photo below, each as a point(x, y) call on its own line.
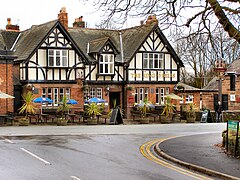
point(107, 90)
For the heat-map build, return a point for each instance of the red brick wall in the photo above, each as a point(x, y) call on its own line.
point(6, 75)
point(129, 94)
point(208, 100)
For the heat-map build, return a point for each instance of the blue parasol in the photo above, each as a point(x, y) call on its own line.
point(95, 100)
point(72, 101)
point(42, 100)
point(148, 105)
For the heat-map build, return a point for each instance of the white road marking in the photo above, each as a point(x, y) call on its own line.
point(37, 157)
point(9, 141)
point(76, 178)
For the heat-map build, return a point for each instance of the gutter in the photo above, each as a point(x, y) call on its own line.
point(14, 44)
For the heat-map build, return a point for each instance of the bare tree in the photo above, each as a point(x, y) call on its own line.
point(199, 54)
point(198, 16)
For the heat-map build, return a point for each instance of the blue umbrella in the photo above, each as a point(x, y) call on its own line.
point(72, 101)
point(148, 105)
point(95, 100)
point(42, 100)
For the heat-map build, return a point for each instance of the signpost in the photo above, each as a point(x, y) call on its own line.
point(116, 117)
point(233, 131)
point(206, 116)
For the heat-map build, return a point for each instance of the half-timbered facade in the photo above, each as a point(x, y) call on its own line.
point(125, 65)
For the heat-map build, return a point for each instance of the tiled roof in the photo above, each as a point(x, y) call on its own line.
point(30, 39)
point(83, 36)
point(234, 67)
point(212, 85)
point(8, 38)
point(180, 86)
point(132, 39)
point(96, 45)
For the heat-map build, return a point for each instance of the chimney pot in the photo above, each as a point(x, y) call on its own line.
point(10, 27)
point(151, 19)
point(63, 17)
point(79, 22)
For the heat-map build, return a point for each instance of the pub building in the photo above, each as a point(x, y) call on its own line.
point(125, 66)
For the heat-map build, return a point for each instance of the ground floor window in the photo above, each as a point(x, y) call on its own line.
point(161, 92)
point(92, 92)
point(141, 94)
point(56, 94)
point(189, 98)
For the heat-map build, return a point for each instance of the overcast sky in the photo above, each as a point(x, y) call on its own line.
point(26, 13)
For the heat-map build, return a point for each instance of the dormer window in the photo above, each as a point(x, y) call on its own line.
point(57, 58)
point(106, 64)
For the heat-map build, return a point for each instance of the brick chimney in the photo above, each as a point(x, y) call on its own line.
point(151, 19)
point(63, 17)
point(79, 22)
point(10, 27)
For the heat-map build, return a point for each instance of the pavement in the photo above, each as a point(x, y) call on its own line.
point(202, 153)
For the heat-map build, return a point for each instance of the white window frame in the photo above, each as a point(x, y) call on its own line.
point(189, 98)
point(106, 64)
point(55, 97)
point(99, 92)
point(162, 98)
point(54, 54)
point(153, 60)
point(157, 96)
point(141, 94)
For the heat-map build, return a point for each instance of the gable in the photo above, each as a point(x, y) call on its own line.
point(56, 39)
point(153, 43)
point(43, 35)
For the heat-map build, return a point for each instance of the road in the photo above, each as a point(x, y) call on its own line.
point(90, 152)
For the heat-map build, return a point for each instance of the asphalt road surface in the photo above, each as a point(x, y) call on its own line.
point(98, 153)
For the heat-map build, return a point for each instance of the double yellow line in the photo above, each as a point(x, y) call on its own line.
point(145, 150)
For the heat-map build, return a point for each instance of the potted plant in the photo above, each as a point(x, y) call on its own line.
point(93, 110)
point(143, 107)
point(167, 114)
point(27, 108)
point(63, 108)
point(191, 114)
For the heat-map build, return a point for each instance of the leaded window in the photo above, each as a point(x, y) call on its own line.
point(152, 60)
point(57, 58)
point(106, 64)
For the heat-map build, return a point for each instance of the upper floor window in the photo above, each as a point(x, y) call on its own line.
point(57, 57)
point(232, 82)
point(106, 64)
point(152, 60)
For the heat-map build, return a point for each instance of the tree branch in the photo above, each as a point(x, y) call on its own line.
point(224, 21)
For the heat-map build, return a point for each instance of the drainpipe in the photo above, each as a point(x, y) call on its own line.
point(121, 45)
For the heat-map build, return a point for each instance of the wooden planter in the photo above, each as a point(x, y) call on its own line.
point(23, 122)
point(62, 122)
point(144, 120)
point(166, 119)
point(92, 121)
point(191, 119)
